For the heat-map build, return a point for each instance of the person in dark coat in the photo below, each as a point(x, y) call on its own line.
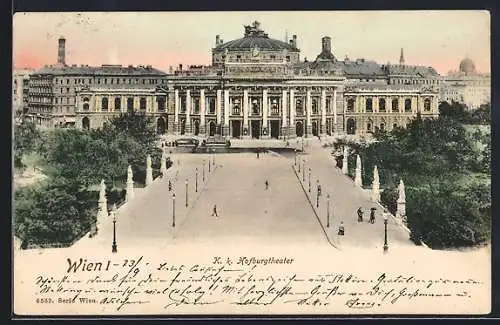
point(372, 215)
point(267, 184)
point(341, 229)
point(169, 185)
point(360, 215)
point(214, 212)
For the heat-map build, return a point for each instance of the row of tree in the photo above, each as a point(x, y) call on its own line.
point(447, 173)
point(63, 208)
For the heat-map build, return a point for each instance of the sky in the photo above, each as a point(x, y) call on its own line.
point(440, 39)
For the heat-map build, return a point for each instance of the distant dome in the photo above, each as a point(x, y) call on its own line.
point(467, 66)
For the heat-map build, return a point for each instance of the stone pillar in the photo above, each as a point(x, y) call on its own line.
point(357, 177)
point(265, 113)
point(227, 110)
point(103, 205)
point(284, 122)
point(149, 171)
point(308, 114)
point(401, 202)
point(176, 111)
point(163, 167)
point(345, 169)
point(130, 184)
point(202, 112)
point(375, 185)
point(218, 107)
point(188, 112)
point(292, 113)
point(246, 133)
point(334, 130)
point(322, 129)
point(123, 104)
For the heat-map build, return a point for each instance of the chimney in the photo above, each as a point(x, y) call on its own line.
point(294, 40)
point(61, 51)
point(402, 58)
point(326, 44)
point(217, 40)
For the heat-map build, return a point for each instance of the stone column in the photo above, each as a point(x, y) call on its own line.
point(345, 169)
point(188, 112)
point(334, 130)
point(357, 177)
point(246, 133)
point(401, 202)
point(401, 105)
point(123, 104)
point(176, 111)
point(203, 128)
point(292, 113)
point(322, 129)
point(218, 107)
point(375, 186)
point(265, 129)
point(284, 107)
point(149, 171)
point(308, 114)
point(227, 111)
point(130, 184)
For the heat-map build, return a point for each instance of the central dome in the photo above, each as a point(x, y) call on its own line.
point(255, 38)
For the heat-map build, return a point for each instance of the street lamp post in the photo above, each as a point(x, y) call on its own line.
point(303, 170)
point(386, 246)
point(309, 180)
point(318, 193)
point(203, 172)
point(295, 162)
point(173, 210)
point(196, 181)
point(209, 165)
point(328, 211)
point(114, 247)
point(186, 193)
point(299, 168)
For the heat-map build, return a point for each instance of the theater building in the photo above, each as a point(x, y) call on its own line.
point(259, 87)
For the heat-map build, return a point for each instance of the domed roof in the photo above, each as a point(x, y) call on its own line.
point(255, 38)
point(467, 66)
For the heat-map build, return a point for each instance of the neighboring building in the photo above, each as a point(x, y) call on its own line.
point(20, 91)
point(258, 87)
point(466, 86)
point(53, 89)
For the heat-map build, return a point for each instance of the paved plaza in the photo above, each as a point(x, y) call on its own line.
point(247, 213)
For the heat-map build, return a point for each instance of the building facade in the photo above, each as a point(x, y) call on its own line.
point(258, 87)
point(466, 86)
point(20, 91)
point(53, 89)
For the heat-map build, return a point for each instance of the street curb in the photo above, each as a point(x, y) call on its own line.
point(315, 213)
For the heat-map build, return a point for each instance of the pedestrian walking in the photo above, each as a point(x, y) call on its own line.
point(267, 184)
point(372, 215)
point(258, 154)
point(214, 212)
point(341, 229)
point(360, 215)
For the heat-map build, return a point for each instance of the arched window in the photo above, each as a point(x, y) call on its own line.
point(314, 106)
point(395, 104)
point(118, 103)
point(351, 126)
point(394, 126)
point(381, 104)
point(86, 123)
point(427, 104)
point(86, 106)
point(369, 105)
point(382, 126)
point(142, 103)
point(350, 105)
point(407, 105)
point(369, 127)
point(104, 104)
